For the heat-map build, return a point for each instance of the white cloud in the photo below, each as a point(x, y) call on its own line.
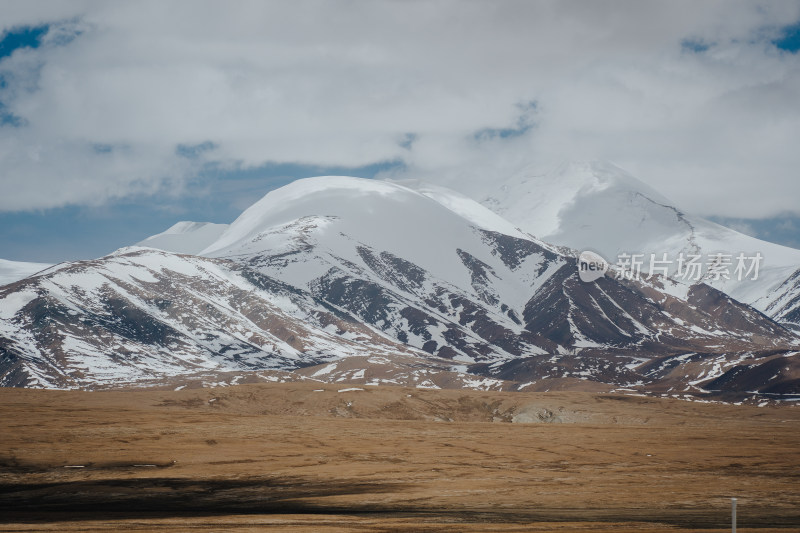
point(342, 83)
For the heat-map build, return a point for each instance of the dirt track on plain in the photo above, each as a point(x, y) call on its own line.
point(305, 457)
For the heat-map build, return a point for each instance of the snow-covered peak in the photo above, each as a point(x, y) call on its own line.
point(334, 221)
point(600, 207)
point(11, 271)
point(556, 202)
point(375, 212)
point(464, 206)
point(185, 237)
point(335, 267)
point(320, 196)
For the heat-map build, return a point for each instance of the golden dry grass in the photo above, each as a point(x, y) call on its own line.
point(287, 457)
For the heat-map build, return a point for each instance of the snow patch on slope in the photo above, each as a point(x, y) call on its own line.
point(11, 271)
point(185, 237)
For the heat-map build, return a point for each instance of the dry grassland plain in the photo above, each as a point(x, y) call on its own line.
point(311, 457)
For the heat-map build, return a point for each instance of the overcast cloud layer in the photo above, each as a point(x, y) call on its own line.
point(132, 98)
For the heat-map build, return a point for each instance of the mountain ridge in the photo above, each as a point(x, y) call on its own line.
point(597, 206)
point(332, 272)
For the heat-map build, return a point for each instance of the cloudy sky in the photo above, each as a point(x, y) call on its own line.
point(118, 119)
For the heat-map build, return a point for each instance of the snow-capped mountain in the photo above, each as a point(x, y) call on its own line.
point(141, 314)
point(599, 207)
point(468, 265)
point(185, 237)
point(338, 278)
point(11, 271)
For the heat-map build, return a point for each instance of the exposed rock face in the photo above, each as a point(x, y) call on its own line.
point(309, 289)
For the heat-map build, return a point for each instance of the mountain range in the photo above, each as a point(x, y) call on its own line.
point(600, 207)
point(409, 283)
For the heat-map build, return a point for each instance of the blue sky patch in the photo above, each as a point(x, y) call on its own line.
point(193, 151)
point(217, 195)
point(408, 140)
point(696, 46)
point(523, 124)
point(784, 230)
point(9, 119)
point(100, 148)
point(790, 39)
point(22, 37)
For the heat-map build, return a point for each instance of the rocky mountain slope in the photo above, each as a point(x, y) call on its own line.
point(345, 279)
point(600, 207)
